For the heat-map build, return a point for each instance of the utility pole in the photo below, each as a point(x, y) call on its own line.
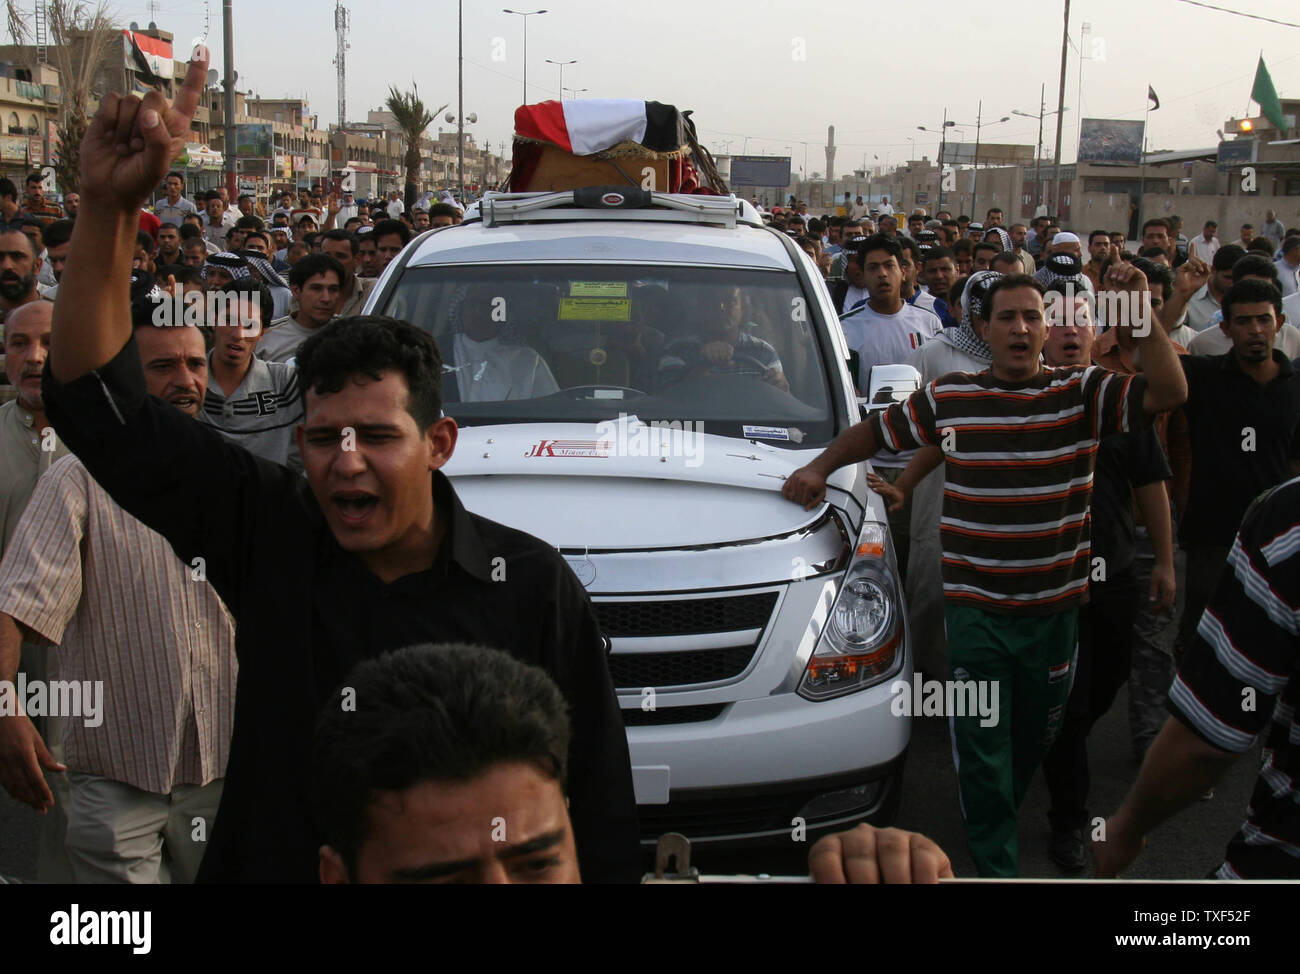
point(460, 100)
point(525, 15)
point(232, 164)
point(341, 24)
point(975, 168)
point(1142, 160)
point(560, 65)
point(1038, 167)
point(943, 146)
point(1060, 113)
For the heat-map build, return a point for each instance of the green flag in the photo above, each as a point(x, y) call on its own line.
point(1264, 93)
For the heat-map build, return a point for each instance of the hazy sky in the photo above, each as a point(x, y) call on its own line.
point(778, 71)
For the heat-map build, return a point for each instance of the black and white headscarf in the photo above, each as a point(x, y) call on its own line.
point(1004, 238)
point(232, 264)
point(963, 337)
point(262, 268)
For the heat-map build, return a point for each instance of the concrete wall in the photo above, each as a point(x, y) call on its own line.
point(1230, 211)
point(1101, 211)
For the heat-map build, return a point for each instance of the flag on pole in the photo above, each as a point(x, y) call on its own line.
point(1265, 94)
point(1151, 94)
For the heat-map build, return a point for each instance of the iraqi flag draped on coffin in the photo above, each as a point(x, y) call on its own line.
point(590, 125)
point(615, 135)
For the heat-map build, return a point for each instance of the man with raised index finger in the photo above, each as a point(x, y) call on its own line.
point(371, 551)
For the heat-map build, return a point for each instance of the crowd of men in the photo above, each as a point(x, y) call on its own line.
point(239, 527)
point(1093, 487)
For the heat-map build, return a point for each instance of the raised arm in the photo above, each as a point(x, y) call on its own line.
point(1147, 342)
point(1188, 279)
point(125, 154)
point(210, 498)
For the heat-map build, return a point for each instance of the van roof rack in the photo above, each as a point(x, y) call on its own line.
point(613, 203)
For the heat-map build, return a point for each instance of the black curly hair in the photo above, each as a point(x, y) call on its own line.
point(371, 345)
point(446, 713)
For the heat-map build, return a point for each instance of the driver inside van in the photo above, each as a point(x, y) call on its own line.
point(721, 344)
point(488, 366)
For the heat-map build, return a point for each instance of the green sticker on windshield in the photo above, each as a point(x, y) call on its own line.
point(595, 309)
point(598, 289)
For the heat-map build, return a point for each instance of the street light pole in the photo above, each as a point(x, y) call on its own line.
point(232, 160)
point(1038, 168)
point(460, 100)
point(1038, 164)
point(1060, 112)
point(943, 145)
point(525, 15)
point(979, 121)
point(560, 65)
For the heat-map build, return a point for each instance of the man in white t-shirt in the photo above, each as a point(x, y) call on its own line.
point(1214, 339)
point(1206, 244)
point(912, 292)
point(886, 330)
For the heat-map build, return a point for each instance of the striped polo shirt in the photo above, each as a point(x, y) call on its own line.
point(1240, 680)
point(261, 415)
point(1018, 468)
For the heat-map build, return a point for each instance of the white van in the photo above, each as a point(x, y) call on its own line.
point(635, 374)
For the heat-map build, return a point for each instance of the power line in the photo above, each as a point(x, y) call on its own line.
point(1225, 10)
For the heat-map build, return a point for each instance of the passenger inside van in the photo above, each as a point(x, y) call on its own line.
point(488, 364)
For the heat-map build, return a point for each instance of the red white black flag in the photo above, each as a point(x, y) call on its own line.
point(587, 125)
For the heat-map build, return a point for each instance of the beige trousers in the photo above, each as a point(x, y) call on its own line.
point(120, 834)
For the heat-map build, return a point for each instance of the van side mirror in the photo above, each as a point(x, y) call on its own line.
point(890, 384)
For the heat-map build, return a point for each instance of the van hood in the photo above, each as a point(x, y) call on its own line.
point(625, 485)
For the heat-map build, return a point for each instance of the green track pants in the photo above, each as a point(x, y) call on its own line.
point(1030, 660)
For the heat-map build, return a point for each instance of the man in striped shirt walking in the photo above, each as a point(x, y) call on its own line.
point(1019, 443)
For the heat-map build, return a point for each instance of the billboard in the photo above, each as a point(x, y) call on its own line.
point(52, 134)
point(13, 147)
point(760, 171)
point(253, 140)
point(1235, 153)
point(990, 154)
point(1114, 141)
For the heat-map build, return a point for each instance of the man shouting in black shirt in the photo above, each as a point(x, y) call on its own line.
point(373, 551)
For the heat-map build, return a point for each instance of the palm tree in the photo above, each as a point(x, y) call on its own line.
point(81, 39)
point(412, 118)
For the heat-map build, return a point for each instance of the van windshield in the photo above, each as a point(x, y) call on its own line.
point(583, 343)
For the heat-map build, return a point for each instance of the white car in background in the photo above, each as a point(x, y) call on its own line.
point(753, 643)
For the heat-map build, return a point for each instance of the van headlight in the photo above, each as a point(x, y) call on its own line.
point(862, 642)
